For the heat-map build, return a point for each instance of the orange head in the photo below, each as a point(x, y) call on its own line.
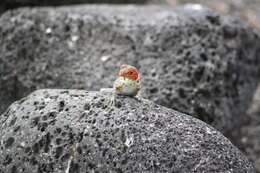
point(128, 71)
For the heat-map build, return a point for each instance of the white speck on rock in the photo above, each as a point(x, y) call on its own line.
point(23, 144)
point(48, 31)
point(105, 58)
point(129, 141)
point(74, 38)
point(208, 130)
point(195, 6)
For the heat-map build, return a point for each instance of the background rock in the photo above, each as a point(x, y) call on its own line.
point(249, 140)
point(191, 59)
point(50, 129)
point(11, 4)
point(246, 9)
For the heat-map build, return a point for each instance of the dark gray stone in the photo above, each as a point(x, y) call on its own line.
point(249, 139)
point(245, 9)
point(191, 59)
point(53, 130)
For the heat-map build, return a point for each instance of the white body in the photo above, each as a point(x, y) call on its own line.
point(125, 86)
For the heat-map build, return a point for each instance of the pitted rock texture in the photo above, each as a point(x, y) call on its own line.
point(191, 59)
point(246, 9)
point(249, 139)
point(77, 131)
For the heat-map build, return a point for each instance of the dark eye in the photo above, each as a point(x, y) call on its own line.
point(131, 72)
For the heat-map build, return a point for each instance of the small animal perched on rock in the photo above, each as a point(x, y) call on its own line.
point(127, 83)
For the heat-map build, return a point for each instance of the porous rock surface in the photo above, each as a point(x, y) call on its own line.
point(249, 139)
point(78, 131)
point(248, 10)
point(191, 58)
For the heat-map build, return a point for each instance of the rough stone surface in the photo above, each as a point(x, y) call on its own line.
point(76, 130)
point(191, 59)
point(246, 9)
point(249, 139)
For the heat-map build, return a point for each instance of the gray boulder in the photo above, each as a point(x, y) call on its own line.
point(249, 139)
point(191, 58)
point(78, 131)
point(245, 9)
